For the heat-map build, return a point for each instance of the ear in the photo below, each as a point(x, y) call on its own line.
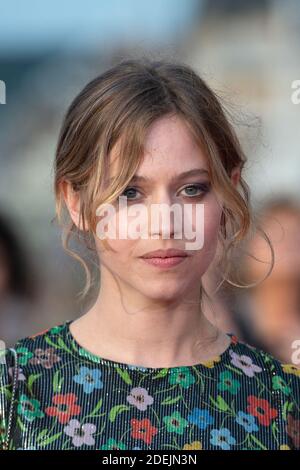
point(72, 200)
point(235, 175)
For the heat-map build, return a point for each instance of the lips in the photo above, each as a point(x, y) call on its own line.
point(170, 253)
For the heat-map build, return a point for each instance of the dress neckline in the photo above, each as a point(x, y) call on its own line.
point(215, 362)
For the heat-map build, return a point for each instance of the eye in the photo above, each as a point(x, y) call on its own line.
point(196, 190)
point(130, 192)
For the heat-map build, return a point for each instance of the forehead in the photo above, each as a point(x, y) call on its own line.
point(170, 149)
point(170, 141)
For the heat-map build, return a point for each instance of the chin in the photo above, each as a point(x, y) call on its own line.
point(164, 292)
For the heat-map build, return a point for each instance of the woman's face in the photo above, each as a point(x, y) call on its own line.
point(170, 151)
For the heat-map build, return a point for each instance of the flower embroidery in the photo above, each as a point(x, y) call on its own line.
point(291, 369)
point(23, 355)
point(45, 357)
point(65, 407)
point(228, 383)
point(81, 434)
point(222, 438)
point(210, 364)
point(202, 418)
point(261, 408)
point(181, 376)
point(247, 421)
point(140, 398)
point(29, 408)
point(89, 378)
point(244, 363)
point(175, 423)
point(224, 407)
point(196, 445)
point(143, 429)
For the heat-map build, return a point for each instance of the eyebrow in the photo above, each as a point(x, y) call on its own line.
point(185, 174)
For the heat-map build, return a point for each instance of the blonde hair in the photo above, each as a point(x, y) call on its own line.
point(117, 107)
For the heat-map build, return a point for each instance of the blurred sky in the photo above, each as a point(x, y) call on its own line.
point(33, 25)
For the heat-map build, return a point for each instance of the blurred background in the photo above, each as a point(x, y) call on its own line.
point(248, 52)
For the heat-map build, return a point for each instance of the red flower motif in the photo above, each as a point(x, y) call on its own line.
point(65, 407)
point(143, 430)
point(293, 430)
point(261, 408)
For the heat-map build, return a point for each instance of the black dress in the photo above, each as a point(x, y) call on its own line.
point(69, 398)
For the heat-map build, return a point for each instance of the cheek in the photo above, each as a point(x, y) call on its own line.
point(122, 251)
point(122, 247)
point(212, 220)
point(122, 256)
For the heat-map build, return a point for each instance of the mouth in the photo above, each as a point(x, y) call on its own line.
point(167, 262)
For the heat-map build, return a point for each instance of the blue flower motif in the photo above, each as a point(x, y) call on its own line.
point(247, 421)
point(201, 417)
point(89, 378)
point(222, 438)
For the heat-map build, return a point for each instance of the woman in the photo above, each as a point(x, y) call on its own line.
point(144, 368)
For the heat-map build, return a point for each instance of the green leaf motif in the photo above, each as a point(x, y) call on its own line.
point(20, 424)
point(62, 344)
point(57, 381)
point(6, 390)
point(125, 376)
point(260, 444)
point(97, 408)
point(42, 434)
point(32, 378)
point(161, 373)
point(48, 341)
point(284, 410)
point(50, 439)
point(234, 369)
point(116, 410)
point(220, 403)
point(291, 406)
point(274, 429)
point(170, 400)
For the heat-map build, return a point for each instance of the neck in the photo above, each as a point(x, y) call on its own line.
point(126, 327)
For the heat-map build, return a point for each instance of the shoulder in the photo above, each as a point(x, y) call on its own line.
point(282, 382)
point(253, 360)
point(30, 358)
point(43, 348)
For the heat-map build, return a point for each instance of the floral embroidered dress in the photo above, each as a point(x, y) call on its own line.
point(69, 398)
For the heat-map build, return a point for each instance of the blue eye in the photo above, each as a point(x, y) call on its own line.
point(201, 188)
point(129, 190)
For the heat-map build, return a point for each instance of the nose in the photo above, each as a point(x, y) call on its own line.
point(163, 215)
